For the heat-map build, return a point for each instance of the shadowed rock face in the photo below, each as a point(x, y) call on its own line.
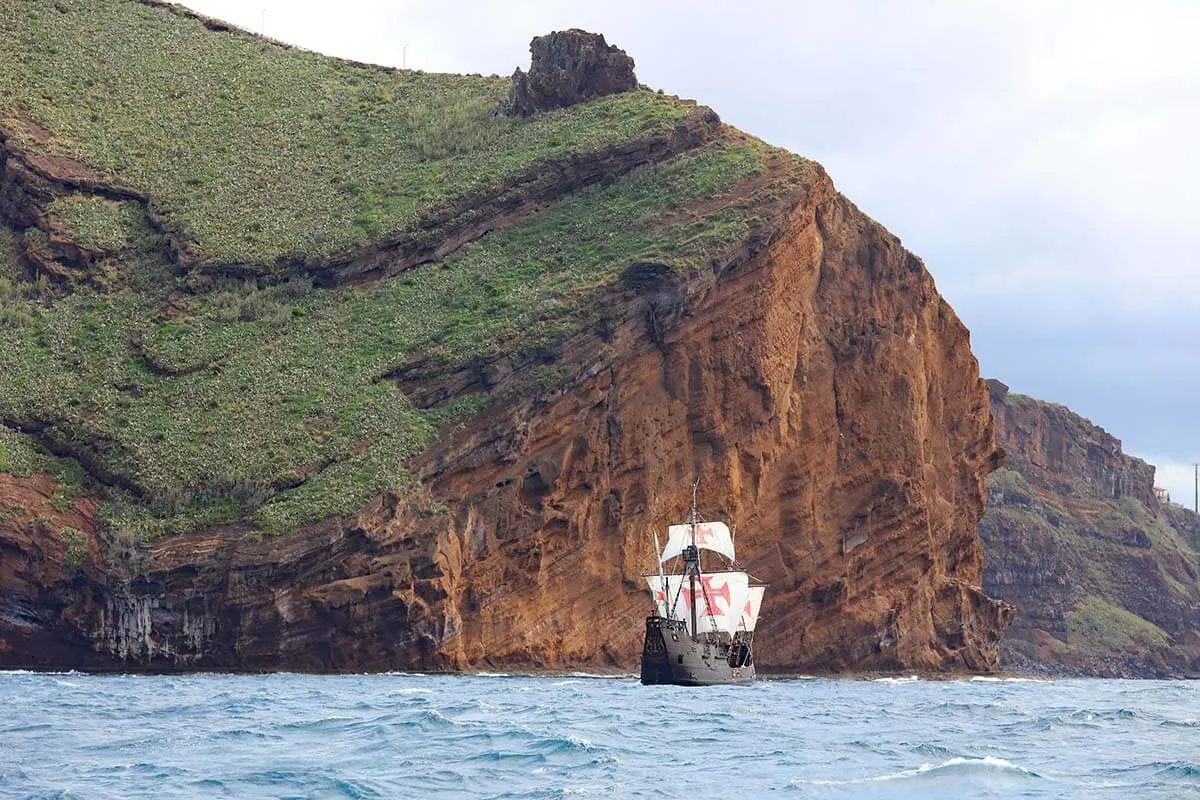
point(816, 383)
point(568, 67)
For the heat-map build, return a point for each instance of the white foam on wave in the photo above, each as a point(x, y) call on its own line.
point(490, 675)
point(997, 679)
point(433, 713)
point(989, 762)
point(600, 676)
point(412, 690)
point(908, 679)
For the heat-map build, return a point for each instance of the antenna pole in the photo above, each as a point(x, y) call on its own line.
point(1196, 507)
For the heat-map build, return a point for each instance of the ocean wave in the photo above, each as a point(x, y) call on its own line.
point(28, 728)
point(958, 765)
point(523, 745)
point(1104, 715)
point(928, 749)
point(242, 733)
point(967, 707)
point(1180, 723)
point(902, 679)
point(622, 676)
point(1180, 769)
point(1157, 769)
point(534, 735)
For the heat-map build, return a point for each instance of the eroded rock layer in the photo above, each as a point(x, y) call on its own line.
point(815, 383)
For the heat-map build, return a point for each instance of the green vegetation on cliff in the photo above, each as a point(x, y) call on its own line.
point(185, 401)
point(255, 152)
point(1099, 624)
point(1104, 578)
point(256, 389)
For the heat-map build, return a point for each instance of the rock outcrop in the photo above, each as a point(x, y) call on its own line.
point(568, 67)
point(1103, 575)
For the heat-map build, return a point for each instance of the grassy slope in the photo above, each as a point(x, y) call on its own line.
point(316, 155)
point(1086, 534)
point(265, 405)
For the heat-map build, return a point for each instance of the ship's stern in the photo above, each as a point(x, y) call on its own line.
point(656, 661)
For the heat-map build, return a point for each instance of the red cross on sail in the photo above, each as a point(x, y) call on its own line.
point(719, 599)
point(714, 536)
point(754, 596)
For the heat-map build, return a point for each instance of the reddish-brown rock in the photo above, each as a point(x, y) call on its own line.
point(817, 385)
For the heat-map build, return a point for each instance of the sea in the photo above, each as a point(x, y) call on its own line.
point(398, 735)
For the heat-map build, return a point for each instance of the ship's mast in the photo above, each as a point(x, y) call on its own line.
point(692, 557)
point(663, 586)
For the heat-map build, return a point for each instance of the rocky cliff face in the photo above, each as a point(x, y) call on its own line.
point(818, 386)
point(1104, 577)
point(798, 361)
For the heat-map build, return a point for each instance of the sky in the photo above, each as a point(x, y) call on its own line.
point(1041, 157)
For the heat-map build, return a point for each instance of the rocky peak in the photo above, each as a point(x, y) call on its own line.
point(568, 67)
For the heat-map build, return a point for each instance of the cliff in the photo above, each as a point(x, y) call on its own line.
point(1103, 575)
point(422, 410)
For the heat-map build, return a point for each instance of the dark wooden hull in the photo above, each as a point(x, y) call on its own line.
point(670, 656)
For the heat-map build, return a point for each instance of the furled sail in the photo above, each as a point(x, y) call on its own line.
point(750, 611)
point(720, 600)
point(709, 535)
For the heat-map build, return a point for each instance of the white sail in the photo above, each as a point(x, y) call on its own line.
point(750, 611)
point(720, 600)
point(662, 591)
point(709, 535)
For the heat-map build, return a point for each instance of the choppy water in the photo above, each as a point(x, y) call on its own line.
point(84, 736)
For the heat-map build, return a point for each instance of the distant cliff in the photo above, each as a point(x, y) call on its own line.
point(1104, 576)
point(310, 364)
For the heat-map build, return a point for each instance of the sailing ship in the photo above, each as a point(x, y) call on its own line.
point(702, 627)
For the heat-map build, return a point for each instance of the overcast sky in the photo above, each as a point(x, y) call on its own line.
point(1041, 157)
